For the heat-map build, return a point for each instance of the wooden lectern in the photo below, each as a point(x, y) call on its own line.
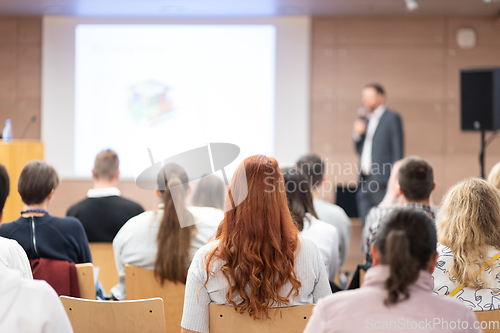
point(14, 156)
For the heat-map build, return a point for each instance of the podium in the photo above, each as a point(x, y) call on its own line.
point(14, 155)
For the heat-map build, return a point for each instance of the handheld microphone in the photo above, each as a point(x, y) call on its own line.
point(31, 121)
point(362, 114)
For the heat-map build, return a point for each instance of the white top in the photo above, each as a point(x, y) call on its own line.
point(309, 268)
point(477, 300)
point(135, 243)
point(326, 238)
point(103, 192)
point(366, 154)
point(336, 216)
point(13, 256)
point(29, 306)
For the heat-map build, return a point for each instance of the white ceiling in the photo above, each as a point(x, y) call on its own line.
point(245, 8)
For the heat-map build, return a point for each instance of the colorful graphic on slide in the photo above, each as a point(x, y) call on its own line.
point(149, 100)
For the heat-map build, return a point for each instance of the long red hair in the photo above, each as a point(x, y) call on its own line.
point(257, 239)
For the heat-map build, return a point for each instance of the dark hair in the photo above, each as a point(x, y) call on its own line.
point(106, 165)
point(416, 178)
point(313, 167)
point(4, 186)
point(36, 182)
point(210, 192)
point(406, 241)
point(174, 240)
point(299, 196)
point(378, 88)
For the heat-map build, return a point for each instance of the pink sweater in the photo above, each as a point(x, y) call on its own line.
point(363, 310)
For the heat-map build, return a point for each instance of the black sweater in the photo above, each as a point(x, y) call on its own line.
point(50, 237)
point(103, 217)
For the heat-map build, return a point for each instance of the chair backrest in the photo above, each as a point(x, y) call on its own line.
point(141, 283)
point(224, 319)
point(490, 320)
point(104, 258)
point(86, 284)
point(115, 317)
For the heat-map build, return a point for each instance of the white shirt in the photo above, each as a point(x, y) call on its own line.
point(30, 306)
point(366, 154)
point(13, 256)
point(135, 243)
point(336, 216)
point(326, 238)
point(309, 269)
point(477, 300)
point(103, 192)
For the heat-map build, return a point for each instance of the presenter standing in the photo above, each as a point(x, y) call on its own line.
point(379, 141)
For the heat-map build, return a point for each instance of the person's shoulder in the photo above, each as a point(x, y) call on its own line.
point(77, 207)
point(323, 226)
point(307, 246)
point(127, 202)
point(7, 243)
point(330, 208)
point(138, 222)
point(68, 221)
point(207, 215)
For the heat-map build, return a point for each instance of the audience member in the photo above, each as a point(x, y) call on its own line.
point(258, 259)
point(468, 228)
point(391, 201)
point(210, 192)
point(397, 292)
point(30, 305)
point(313, 167)
point(12, 255)
point(416, 183)
point(494, 176)
point(166, 239)
point(300, 203)
point(40, 234)
point(104, 211)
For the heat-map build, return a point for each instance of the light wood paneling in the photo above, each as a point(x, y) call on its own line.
point(20, 68)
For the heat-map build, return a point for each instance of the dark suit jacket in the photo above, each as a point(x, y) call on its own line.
point(387, 146)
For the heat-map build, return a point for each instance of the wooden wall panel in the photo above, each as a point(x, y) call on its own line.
point(417, 61)
point(20, 68)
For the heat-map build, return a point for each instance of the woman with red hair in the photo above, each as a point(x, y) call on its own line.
point(258, 260)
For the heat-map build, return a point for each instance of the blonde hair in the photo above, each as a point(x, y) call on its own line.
point(494, 176)
point(469, 223)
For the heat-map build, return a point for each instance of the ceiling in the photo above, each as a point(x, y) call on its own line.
point(246, 8)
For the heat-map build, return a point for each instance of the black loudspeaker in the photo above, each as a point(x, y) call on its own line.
point(480, 99)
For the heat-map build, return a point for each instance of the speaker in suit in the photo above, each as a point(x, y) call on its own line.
point(379, 142)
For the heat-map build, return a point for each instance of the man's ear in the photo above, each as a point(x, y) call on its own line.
point(93, 175)
point(1, 216)
point(158, 193)
point(375, 254)
point(51, 194)
point(400, 191)
point(432, 263)
point(117, 175)
point(434, 186)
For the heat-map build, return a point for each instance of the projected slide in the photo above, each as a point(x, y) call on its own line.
point(172, 88)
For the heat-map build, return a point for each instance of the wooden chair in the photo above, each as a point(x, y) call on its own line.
point(223, 319)
point(86, 284)
point(141, 283)
point(490, 319)
point(104, 258)
point(139, 316)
